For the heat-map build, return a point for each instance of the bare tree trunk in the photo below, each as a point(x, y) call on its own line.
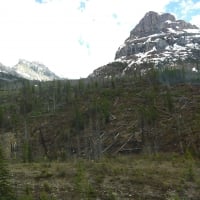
point(179, 134)
point(78, 146)
point(43, 144)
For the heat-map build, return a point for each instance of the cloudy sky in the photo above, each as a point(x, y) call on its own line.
point(73, 37)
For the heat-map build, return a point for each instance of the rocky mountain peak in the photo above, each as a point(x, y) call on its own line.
point(160, 39)
point(34, 71)
point(35, 66)
point(157, 40)
point(28, 70)
point(153, 23)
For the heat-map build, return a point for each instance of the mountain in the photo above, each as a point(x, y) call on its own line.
point(7, 70)
point(113, 69)
point(7, 73)
point(27, 70)
point(34, 71)
point(161, 40)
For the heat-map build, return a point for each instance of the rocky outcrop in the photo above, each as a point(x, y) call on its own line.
point(154, 23)
point(27, 70)
point(34, 71)
point(160, 38)
point(157, 40)
point(110, 70)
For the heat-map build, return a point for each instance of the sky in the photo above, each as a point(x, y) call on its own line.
point(74, 37)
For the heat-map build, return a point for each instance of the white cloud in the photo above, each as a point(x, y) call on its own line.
point(186, 6)
point(50, 32)
point(196, 20)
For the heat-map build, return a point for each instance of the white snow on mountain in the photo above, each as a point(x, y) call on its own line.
point(158, 38)
point(29, 70)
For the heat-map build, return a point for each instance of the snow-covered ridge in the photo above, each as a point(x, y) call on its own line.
point(29, 70)
point(159, 39)
point(34, 71)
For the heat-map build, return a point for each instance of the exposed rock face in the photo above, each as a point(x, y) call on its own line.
point(34, 71)
point(153, 23)
point(160, 39)
point(157, 40)
point(27, 70)
point(109, 70)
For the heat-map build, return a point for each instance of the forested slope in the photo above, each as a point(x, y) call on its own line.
point(155, 112)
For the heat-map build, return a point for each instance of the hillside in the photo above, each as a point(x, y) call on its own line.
point(158, 112)
point(116, 126)
point(128, 131)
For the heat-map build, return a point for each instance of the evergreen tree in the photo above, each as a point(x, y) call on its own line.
point(5, 188)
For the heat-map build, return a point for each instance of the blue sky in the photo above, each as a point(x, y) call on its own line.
point(39, 1)
point(184, 9)
point(74, 37)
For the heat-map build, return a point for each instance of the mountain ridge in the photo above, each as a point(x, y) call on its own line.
point(154, 22)
point(159, 40)
point(29, 70)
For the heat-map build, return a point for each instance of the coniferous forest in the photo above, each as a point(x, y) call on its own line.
point(123, 137)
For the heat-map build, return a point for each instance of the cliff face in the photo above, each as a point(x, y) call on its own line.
point(160, 39)
point(34, 71)
point(153, 23)
point(157, 40)
point(27, 70)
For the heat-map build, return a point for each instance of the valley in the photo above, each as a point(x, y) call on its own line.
point(121, 138)
point(130, 130)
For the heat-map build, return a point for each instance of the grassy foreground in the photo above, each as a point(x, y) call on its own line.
point(123, 177)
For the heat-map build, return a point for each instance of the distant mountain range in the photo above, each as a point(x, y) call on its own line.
point(159, 40)
point(27, 70)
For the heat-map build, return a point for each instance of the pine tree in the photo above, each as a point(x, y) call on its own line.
point(5, 188)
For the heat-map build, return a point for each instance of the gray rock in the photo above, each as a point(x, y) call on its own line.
point(151, 23)
point(161, 44)
point(158, 39)
point(158, 35)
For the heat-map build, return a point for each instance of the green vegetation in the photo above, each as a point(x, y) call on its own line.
point(6, 192)
point(108, 138)
point(160, 176)
point(63, 118)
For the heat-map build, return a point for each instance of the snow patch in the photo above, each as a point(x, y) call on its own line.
point(171, 30)
point(168, 21)
point(192, 30)
point(148, 40)
point(168, 47)
point(177, 47)
point(194, 69)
